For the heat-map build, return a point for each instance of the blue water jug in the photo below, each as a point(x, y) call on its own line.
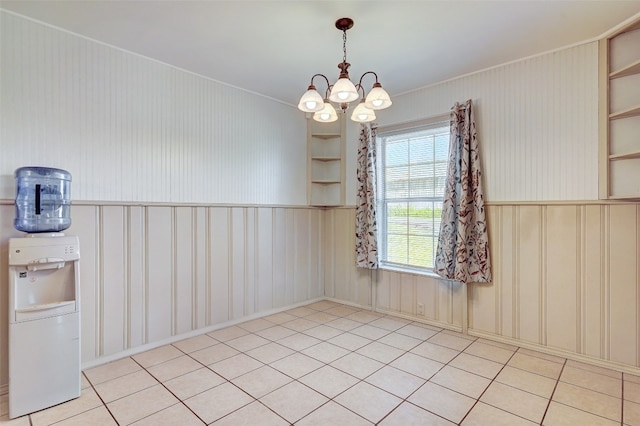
point(43, 199)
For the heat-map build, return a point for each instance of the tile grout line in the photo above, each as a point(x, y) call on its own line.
point(104, 404)
point(622, 401)
point(166, 388)
point(485, 390)
point(546, 410)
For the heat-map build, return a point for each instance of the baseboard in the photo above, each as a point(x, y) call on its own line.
point(612, 365)
point(433, 323)
point(173, 339)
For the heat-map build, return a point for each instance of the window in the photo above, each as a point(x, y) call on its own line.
point(412, 175)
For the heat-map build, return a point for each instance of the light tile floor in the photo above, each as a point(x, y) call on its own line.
point(326, 364)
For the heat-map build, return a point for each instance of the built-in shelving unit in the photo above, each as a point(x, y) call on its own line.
point(620, 114)
point(326, 163)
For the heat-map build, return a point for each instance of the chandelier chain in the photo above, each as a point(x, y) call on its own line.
point(344, 45)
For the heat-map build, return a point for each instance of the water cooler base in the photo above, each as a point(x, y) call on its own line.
point(44, 363)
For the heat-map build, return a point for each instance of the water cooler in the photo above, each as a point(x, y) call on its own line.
point(44, 295)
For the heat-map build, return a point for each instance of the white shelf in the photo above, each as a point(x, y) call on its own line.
point(326, 158)
point(634, 68)
point(325, 194)
point(620, 107)
point(326, 135)
point(630, 112)
point(325, 163)
point(625, 156)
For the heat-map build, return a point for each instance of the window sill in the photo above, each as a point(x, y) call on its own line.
point(409, 270)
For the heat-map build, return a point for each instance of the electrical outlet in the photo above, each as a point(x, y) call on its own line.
point(420, 308)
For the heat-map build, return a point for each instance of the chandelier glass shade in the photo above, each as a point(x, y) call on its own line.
point(311, 101)
point(327, 114)
point(363, 114)
point(344, 91)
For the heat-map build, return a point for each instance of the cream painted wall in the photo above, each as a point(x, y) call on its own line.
point(150, 273)
point(566, 281)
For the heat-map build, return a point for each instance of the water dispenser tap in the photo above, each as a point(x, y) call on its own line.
point(45, 263)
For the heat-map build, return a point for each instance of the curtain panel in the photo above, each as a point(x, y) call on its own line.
point(366, 225)
point(463, 245)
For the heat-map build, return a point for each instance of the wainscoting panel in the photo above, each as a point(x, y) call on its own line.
point(302, 250)
point(113, 280)
point(623, 283)
point(160, 304)
point(288, 286)
point(183, 276)
point(566, 276)
point(151, 272)
point(265, 256)
point(84, 222)
point(595, 282)
point(136, 274)
point(573, 274)
point(528, 284)
point(240, 249)
point(562, 277)
point(342, 280)
point(566, 281)
point(401, 293)
point(218, 275)
point(281, 252)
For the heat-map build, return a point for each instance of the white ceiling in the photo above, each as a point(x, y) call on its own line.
point(274, 47)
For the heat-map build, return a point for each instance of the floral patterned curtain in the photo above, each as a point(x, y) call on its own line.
point(366, 225)
point(463, 245)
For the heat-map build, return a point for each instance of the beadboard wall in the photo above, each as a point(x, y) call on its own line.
point(136, 130)
point(537, 123)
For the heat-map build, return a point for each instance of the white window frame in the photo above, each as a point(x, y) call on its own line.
point(400, 129)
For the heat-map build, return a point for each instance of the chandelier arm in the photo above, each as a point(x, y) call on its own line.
point(320, 75)
point(368, 72)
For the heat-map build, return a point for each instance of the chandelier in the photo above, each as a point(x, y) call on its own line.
point(344, 91)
